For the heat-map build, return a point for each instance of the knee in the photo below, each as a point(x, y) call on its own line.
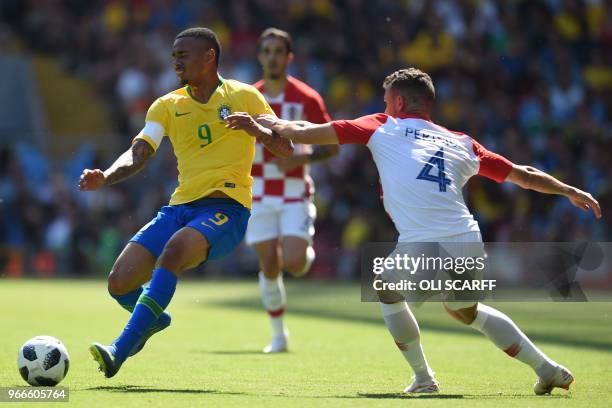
point(174, 257)
point(117, 284)
point(294, 263)
point(389, 297)
point(464, 315)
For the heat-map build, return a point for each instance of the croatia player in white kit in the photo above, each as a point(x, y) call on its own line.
point(281, 226)
point(422, 168)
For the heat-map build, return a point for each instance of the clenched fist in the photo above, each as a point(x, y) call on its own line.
point(92, 180)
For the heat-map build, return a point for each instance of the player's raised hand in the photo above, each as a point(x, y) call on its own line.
point(585, 201)
point(272, 122)
point(277, 145)
point(92, 180)
point(243, 121)
point(285, 128)
point(266, 120)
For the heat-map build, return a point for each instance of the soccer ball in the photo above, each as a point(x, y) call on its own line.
point(43, 360)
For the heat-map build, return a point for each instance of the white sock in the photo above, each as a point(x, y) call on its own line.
point(506, 335)
point(405, 331)
point(274, 300)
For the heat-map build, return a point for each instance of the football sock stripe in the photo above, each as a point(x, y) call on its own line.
point(151, 304)
point(507, 336)
point(405, 332)
point(274, 299)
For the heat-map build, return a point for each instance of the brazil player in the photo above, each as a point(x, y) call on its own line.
point(281, 226)
point(209, 210)
point(427, 206)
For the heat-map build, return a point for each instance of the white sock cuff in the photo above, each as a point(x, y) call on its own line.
point(389, 309)
point(482, 312)
point(270, 282)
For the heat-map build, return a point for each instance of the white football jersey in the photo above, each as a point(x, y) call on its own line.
point(423, 168)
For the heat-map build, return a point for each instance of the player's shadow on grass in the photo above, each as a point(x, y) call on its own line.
point(398, 395)
point(140, 389)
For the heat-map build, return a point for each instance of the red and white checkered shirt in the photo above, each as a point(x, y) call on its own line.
point(270, 185)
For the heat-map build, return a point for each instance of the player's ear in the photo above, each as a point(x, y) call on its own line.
point(290, 57)
point(210, 55)
point(400, 103)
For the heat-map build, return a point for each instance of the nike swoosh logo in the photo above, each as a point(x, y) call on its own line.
point(177, 114)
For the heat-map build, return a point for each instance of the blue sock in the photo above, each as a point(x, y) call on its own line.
point(128, 301)
point(149, 307)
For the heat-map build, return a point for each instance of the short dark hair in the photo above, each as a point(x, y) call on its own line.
point(413, 84)
point(205, 34)
point(276, 33)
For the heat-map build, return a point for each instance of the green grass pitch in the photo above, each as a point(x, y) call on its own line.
point(341, 353)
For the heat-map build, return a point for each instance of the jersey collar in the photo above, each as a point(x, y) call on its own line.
point(219, 84)
point(414, 116)
point(280, 98)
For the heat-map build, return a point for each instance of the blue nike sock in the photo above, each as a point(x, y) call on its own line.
point(128, 300)
point(150, 305)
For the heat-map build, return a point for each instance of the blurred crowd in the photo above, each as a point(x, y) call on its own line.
point(529, 79)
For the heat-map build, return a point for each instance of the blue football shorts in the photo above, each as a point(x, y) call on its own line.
point(222, 221)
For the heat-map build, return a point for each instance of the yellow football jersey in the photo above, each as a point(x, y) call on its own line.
point(210, 156)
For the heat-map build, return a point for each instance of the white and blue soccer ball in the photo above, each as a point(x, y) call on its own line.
point(43, 361)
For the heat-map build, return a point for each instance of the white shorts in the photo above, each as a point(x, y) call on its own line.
point(474, 248)
point(269, 221)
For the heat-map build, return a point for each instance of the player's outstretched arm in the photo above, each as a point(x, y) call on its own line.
point(271, 140)
point(302, 131)
point(533, 179)
point(320, 153)
point(129, 163)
